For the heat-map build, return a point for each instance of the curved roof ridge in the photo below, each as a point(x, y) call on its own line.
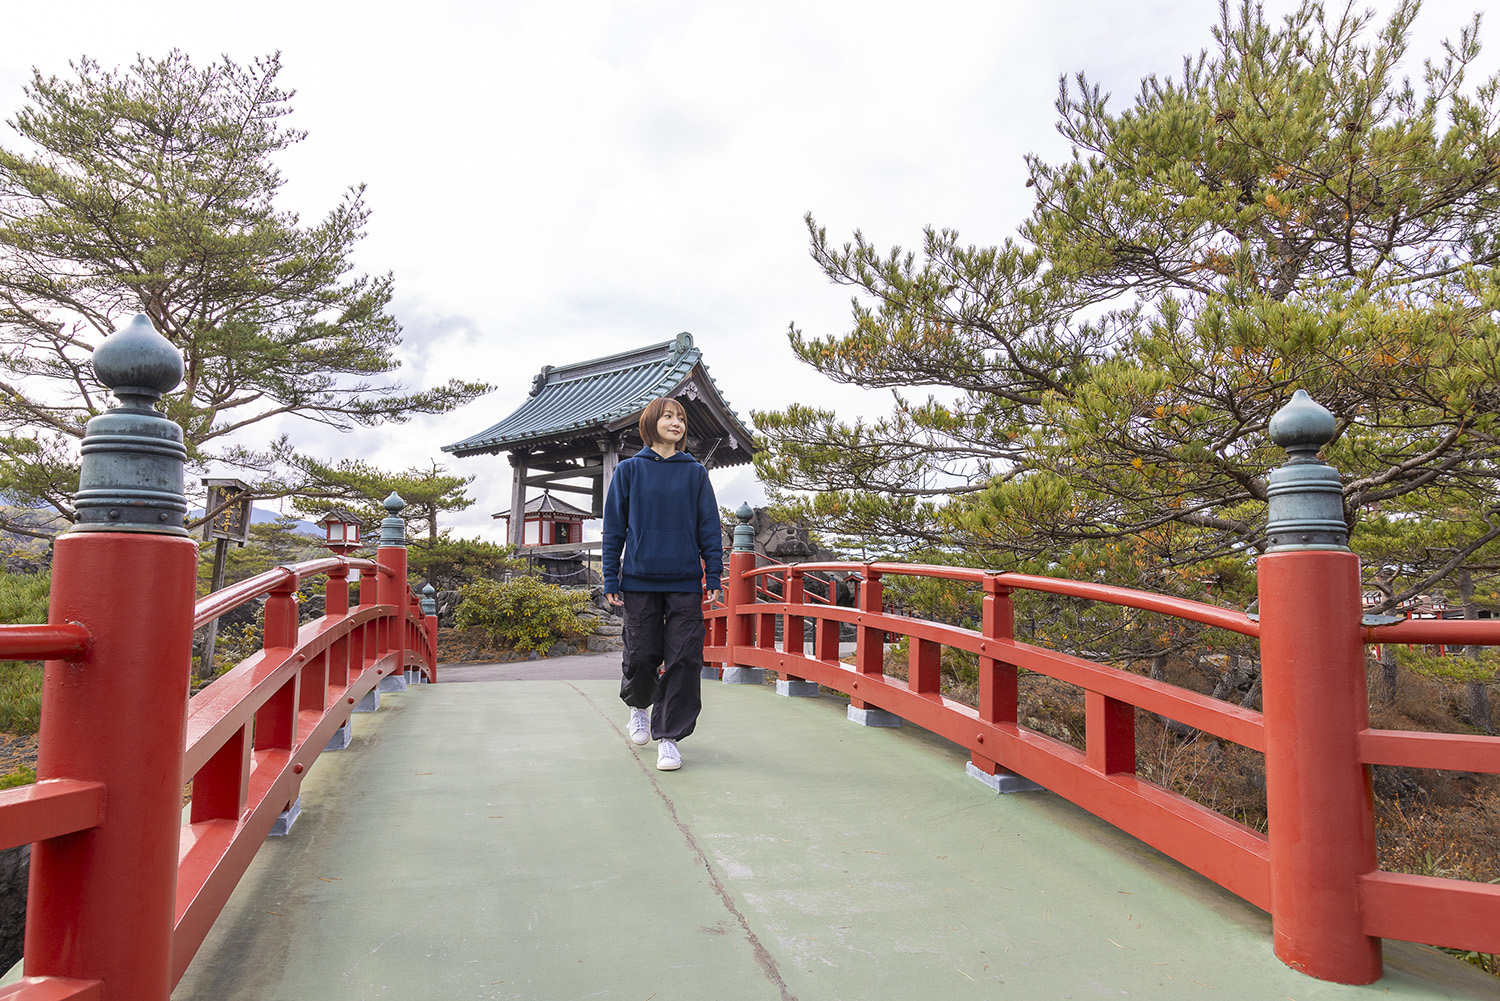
point(573, 401)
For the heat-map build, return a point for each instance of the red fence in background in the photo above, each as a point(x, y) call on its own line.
point(1315, 870)
point(123, 886)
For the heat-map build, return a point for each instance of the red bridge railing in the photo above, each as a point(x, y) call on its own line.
point(1315, 871)
point(123, 887)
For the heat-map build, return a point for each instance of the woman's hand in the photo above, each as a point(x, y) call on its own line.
point(614, 599)
point(714, 595)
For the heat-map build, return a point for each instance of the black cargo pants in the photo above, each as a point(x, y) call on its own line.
point(664, 629)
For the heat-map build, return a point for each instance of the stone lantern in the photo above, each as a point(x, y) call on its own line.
point(340, 531)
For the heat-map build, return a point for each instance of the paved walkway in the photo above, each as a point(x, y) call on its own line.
point(504, 840)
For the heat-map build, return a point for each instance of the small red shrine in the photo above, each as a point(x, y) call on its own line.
point(549, 522)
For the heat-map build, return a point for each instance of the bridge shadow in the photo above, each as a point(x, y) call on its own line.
point(504, 840)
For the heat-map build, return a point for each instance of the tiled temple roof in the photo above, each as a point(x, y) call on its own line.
point(572, 401)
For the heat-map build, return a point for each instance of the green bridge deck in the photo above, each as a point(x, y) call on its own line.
point(504, 840)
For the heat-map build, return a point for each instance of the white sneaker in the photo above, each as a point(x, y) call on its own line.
point(668, 758)
point(640, 726)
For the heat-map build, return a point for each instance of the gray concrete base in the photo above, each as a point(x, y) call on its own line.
point(744, 676)
point(1002, 782)
point(341, 738)
point(283, 825)
point(709, 673)
point(369, 703)
point(392, 683)
point(873, 717)
point(797, 689)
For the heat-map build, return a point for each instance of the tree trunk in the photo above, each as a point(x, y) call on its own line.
point(1388, 674)
point(1159, 673)
point(1479, 705)
point(1479, 692)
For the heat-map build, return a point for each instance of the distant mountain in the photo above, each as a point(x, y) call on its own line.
point(43, 520)
point(260, 515)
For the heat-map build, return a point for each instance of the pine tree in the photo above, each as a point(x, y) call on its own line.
point(153, 189)
point(1289, 212)
point(1287, 215)
point(429, 492)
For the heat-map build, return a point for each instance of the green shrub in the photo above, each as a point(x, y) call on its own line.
point(524, 613)
point(24, 775)
point(20, 697)
point(23, 598)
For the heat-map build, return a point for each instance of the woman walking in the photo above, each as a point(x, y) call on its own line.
point(662, 553)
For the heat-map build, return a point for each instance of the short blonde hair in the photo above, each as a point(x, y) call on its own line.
point(653, 413)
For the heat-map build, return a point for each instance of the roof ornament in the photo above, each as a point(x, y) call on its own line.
point(539, 380)
point(682, 345)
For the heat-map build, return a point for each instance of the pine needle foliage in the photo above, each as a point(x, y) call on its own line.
point(153, 189)
point(1090, 396)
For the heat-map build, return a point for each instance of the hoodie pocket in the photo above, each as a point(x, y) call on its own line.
point(662, 555)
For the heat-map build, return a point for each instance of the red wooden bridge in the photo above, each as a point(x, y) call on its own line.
point(126, 884)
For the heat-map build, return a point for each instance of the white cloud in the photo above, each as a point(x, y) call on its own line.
point(551, 182)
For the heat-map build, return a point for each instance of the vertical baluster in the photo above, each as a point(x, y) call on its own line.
point(869, 652)
point(795, 593)
point(739, 591)
point(1110, 737)
point(336, 604)
point(998, 686)
point(924, 666)
point(999, 690)
point(221, 788)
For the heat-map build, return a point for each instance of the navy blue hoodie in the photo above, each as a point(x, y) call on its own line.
point(661, 526)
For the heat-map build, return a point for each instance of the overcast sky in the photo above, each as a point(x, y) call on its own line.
point(554, 181)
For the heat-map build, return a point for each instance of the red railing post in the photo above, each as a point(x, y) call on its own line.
point(101, 902)
point(999, 687)
point(276, 722)
point(1318, 795)
point(740, 596)
point(430, 627)
point(1110, 734)
point(869, 651)
point(739, 590)
point(363, 654)
point(336, 603)
point(393, 590)
point(794, 592)
point(924, 666)
point(869, 654)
